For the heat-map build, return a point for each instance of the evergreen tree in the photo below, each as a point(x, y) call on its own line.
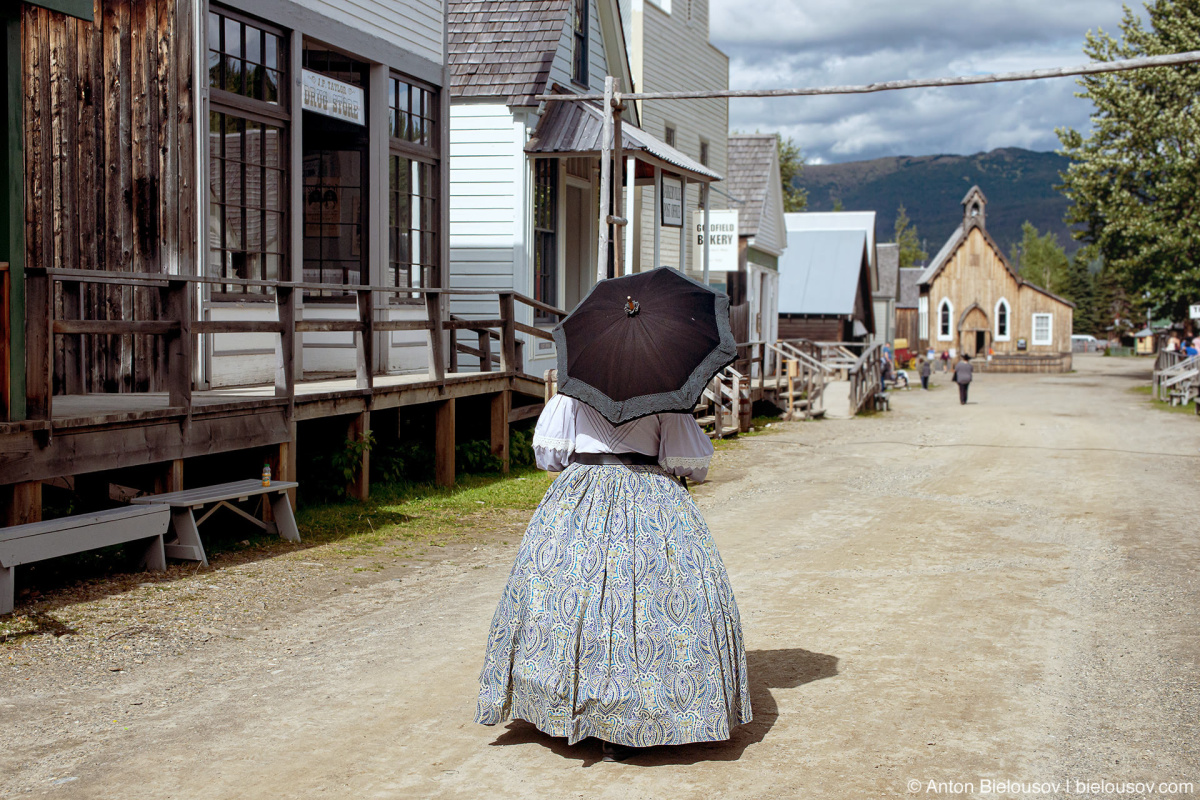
point(906, 236)
point(1133, 182)
point(1081, 290)
point(791, 164)
point(1040, 259)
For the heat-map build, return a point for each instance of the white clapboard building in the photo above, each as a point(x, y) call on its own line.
point(525, 173)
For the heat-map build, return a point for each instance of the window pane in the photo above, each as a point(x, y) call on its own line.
point(271, 59)
point(254, 45)
point(233, 38)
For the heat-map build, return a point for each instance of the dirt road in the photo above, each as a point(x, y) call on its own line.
point(1005, 591)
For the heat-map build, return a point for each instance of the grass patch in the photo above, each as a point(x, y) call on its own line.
point(1148, 392)
point(422, 512)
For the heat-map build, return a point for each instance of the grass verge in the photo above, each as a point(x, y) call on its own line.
point(1148, 392)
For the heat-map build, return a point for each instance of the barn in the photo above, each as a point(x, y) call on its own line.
point(825, 286)
point(972, 301)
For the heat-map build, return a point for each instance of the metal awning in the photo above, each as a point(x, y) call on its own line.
point(575, 128)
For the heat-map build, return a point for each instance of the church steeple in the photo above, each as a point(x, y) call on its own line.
point(974, 209)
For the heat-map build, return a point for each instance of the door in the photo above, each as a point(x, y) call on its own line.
point(579, 276)
point(980, 343)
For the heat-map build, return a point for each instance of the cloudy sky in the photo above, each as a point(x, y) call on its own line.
point(794, 43)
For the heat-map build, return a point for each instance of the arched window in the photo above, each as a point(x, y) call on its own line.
point(1003, 318)
point(945, 320)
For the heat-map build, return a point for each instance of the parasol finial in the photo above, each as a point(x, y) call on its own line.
point(631, 306)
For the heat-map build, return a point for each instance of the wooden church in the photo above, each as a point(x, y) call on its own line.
point(972, 301)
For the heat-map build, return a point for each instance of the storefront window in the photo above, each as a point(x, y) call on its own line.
point(412, 185)
point(247, 136)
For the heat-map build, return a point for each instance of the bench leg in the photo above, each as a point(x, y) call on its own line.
point(8, 576)
point(155, 557)
point(187, 543)
point(285, 520)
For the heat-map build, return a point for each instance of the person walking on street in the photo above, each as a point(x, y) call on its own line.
point(925, 370)
point(962, 376)
point(945, 361)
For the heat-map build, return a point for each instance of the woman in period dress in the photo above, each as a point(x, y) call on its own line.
point(618, 621)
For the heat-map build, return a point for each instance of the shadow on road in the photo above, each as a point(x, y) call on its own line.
point(769, 669)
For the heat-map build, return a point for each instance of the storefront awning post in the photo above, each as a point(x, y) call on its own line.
point(630, 191)
point(683, 226)
point(657, 217)
point(606, 140)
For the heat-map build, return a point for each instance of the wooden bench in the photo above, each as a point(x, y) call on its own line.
point(185, 526)
point(37, 541)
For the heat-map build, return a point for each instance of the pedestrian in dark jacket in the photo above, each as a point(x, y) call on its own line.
point(925, 369)
point(962, 376)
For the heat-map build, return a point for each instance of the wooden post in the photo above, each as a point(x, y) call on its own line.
point(508, 334)
point(631, 213)
point(177, 303)
point(718, 409)
point(24, 503)
point(358, 429)
point(704, 198)
point(39, 346)
point(485, 350)
point(606, 143)
point(618, 168)
point(437, 358)
point(443, 443)
point(793, 369)
point(285, 373)
point(365, 350)
point(170, 477)
point(5, 338)
point(501, 405)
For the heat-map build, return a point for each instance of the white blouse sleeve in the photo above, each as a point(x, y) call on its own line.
point(554, 436)
point(684, 448)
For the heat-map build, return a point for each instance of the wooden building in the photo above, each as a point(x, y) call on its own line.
point(908, 329)
point(200, 262)
point(972, 301)
point(525, 175)
point(757, 193)
point(887, 291)
point(825, 286)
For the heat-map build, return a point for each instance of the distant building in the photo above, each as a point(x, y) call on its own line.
point(887, 266)
point(756, 190)
point(908, 331)
point(825, 286)
point(973, 302)
point(840, 221)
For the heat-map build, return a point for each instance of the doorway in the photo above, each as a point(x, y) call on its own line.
point(335, 183)
point(579, 275)
point(980, 343)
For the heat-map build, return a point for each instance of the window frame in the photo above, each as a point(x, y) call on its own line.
point(1033, 332)
point(1006, 334)
point(580, 39)
point(424, 156)
point(262, 112)
point(670, 135)
point(947, 306)
point(545, 239)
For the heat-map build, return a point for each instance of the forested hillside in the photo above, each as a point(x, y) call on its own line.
point(1019, 185)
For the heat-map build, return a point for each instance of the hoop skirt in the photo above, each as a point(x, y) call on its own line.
point(618, 620)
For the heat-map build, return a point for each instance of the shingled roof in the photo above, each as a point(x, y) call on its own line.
point(749, 177)
point(910, 287)
point(503, 48)
point(887, 259)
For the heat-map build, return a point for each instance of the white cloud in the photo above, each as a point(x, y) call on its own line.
point(786, 43)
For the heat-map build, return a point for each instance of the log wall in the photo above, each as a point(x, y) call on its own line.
point(109, 174)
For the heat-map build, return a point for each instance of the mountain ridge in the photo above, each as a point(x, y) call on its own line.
point(1018, 183)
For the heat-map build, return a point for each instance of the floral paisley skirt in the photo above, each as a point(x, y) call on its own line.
point(618, 620)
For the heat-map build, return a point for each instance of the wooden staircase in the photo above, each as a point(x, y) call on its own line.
point(1178, 383)
point(725, 404)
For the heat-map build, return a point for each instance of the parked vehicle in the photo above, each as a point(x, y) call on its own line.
point(1085, 343)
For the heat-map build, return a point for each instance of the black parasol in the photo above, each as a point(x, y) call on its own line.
point(644, 344)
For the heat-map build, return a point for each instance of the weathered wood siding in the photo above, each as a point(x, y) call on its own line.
point(109, 173)
point(817, 329)
point(975, 275)
point(907, 328)
point(667, 51)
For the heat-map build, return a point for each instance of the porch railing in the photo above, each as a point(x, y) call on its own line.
point(179, 329)
point(865, 378)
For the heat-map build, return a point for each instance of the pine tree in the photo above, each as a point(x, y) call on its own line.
point(1133, 182)
point(791, 164)
point(910, 243)
point(1081, 290)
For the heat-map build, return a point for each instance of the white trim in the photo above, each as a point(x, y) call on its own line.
point(947, 337)
point(1007, 335)
point(550, 443)
point(684, 462)
point(1049, 340)
point(923, 317)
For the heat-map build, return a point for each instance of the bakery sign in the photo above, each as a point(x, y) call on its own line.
point(332, 98)
point(722, 237)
